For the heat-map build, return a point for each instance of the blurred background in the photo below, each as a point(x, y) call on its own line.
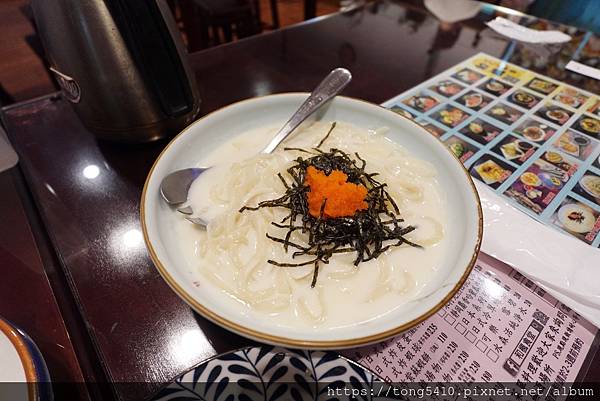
point(207, 23)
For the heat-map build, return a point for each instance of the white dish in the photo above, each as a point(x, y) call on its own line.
point(22, 365)
point(12, 350)
point(158, 220)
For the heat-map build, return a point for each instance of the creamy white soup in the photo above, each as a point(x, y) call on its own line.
point(232, 254)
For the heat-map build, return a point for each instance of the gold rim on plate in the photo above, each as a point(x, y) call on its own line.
point(290, 342)
point(24, 355)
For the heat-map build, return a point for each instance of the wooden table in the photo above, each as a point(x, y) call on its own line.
point(131, 328)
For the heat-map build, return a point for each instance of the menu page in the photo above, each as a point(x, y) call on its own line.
point(499, 328)
point(530, 138)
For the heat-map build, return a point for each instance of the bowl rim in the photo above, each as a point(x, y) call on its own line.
point(20, 345)
point(291, 342)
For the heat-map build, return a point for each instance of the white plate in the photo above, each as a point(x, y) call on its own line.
point(22, 365)
point(12, 368)
point(464, 222)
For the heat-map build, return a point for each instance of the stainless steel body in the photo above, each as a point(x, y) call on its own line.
point(122, 65)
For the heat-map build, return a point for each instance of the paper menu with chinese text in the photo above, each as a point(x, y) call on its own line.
point(499, 327)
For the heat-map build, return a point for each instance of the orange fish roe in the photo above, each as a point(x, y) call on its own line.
point(344, 198)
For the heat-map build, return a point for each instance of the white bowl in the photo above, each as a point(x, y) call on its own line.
point(22, 364)
point(464, 228)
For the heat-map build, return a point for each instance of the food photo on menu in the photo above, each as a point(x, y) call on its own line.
point(421, 102)
point(524, 99)
point(595, 109)
point(495, 87)
point(589, 187)
point(402, 112)
point(299, 200)
point(539, 184)
point(491, 170)
point(447, 88)
point(432, 128)
point(450, 116)
point(571, 97)
point(474, 100)
point(576, 145)
point(578, 219)
point(535, 130)
point(480, 131)
point(467, 76)
point(461, 148)
point(541, 85)
point(555, 114)
point(504, 113)
point(588, 125)
point(514, 149)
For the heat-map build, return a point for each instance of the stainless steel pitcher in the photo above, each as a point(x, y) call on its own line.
point(122, 65)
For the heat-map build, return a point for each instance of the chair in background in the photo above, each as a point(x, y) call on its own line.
point(5, 97)
point(310, 9)
point(274, 14)
point(228, 19)
point(206, 23)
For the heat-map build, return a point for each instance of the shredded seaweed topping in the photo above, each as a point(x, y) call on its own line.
point(369, 232)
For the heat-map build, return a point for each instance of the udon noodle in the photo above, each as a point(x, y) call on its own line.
point(233, 252)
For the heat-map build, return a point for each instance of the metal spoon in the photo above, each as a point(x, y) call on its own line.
point(175, 186)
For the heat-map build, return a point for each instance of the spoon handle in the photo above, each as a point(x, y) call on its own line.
point(327, 89)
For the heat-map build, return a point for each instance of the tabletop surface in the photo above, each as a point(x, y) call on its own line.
point(26, 272)
point(88, 192)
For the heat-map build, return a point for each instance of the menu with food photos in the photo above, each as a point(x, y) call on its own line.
point(530, 138)
point(499, 328)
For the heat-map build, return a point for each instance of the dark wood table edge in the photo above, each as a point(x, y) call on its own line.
point(85, 349)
